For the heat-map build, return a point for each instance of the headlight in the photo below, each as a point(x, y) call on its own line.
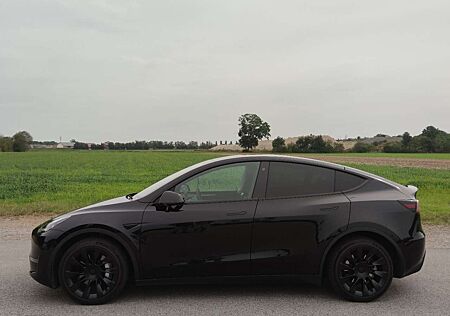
point(53, 222)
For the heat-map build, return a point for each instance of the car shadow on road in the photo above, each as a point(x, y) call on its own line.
point(233, 292)
point(226, 290)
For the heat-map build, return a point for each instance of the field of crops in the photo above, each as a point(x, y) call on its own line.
point(59, 181)
point(445, 156)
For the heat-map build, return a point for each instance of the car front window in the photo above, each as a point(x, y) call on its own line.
point(225, 183)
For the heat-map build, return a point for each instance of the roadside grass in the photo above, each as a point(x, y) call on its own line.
point(59, 181)
point(444, 156)
point(433, 184)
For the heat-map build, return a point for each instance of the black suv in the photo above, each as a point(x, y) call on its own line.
point(238, 218)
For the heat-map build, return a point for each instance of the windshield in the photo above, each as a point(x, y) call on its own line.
point(157, 185)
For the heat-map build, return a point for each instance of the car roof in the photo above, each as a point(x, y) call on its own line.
point(314, 162)
point(281, 158)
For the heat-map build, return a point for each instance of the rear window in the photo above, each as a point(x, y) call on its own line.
point(292, 179)
point(346, 181)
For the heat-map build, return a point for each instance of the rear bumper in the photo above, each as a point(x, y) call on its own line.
point(413, 251)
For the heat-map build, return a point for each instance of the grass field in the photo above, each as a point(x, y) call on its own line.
point(59, 181)
point(445, 156)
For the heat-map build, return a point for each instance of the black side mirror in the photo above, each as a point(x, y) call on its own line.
point(170, 202)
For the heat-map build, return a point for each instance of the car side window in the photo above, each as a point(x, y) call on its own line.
point(232, 182)
point(294, 179)
point(346, 181)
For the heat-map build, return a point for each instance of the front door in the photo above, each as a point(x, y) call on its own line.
point(211, 234)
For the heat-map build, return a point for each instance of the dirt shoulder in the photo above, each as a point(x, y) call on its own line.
point(20, 227)
point(387, 161)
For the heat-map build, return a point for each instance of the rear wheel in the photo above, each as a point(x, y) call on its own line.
point(93, 271)
point(360, 269)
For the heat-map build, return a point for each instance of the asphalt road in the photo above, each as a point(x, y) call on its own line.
point(427, 292)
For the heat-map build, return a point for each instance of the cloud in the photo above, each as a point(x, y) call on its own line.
point(114, 70)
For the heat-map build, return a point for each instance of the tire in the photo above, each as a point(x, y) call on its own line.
point(93, 271)
point(360, 269)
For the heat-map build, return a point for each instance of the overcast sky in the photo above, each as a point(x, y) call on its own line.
point(186, 70)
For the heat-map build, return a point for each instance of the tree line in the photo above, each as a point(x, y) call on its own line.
point(146, 145)
point(431, 140)
point(20, 141)
point(307, 144)
point(252, 129)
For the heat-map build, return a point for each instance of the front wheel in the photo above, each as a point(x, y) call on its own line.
point(93, 271)
point(360, 269)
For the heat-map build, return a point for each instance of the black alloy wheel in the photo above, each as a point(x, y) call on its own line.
point(93, 271)
point(360, 269)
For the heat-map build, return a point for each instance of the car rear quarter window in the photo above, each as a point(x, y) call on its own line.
point(293, 179)
point(346, 181)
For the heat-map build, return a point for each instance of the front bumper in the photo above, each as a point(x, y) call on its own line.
point(41, 254)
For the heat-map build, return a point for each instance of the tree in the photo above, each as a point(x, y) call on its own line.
point(6, 143)
point(22, 141)
point(279, 145)
point(442, 143)
point(431, 132)
point(393, 147)
point(252, 129)
point(318, 145)
point(421, 144)
point(303, 144)
point(192, 145)
point(79, 145)
point(361, 147)
point(338, 148)
point(406, 139)
point(312, 144)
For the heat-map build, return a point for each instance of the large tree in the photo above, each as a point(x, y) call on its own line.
point(252, 129)
point(431, 132)
point(22, 141)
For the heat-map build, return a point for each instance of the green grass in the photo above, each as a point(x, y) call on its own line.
point(433, 184)
point(444, 156)
point(58, 181)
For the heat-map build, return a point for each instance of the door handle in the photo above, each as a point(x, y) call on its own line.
point(332, 208)
point(237, 213)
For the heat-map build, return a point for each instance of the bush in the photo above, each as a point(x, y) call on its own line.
point(393, 147)
point(338, 148)
point(312, 144)
point(361, 147)
point(6, 144)
point(279, 145)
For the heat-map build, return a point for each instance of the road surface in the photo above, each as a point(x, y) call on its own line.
point(427, 292)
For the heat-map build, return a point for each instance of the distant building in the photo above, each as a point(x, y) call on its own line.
point(62, 145)
point(42, 146)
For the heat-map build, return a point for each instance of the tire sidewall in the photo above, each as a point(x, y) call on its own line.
point(333, 268)
point(114, 251)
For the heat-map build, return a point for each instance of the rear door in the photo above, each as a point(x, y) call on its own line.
point(300, 212)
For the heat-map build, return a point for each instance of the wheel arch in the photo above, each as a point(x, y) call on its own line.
point(386, 239)
point(100, 231)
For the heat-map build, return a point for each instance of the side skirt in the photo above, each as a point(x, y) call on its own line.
point(310, 279)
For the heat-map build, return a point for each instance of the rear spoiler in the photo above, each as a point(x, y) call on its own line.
point(412, 189)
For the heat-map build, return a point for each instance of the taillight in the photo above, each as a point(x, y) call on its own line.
point(412, 205)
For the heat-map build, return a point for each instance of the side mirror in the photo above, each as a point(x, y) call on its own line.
point(170, 202)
